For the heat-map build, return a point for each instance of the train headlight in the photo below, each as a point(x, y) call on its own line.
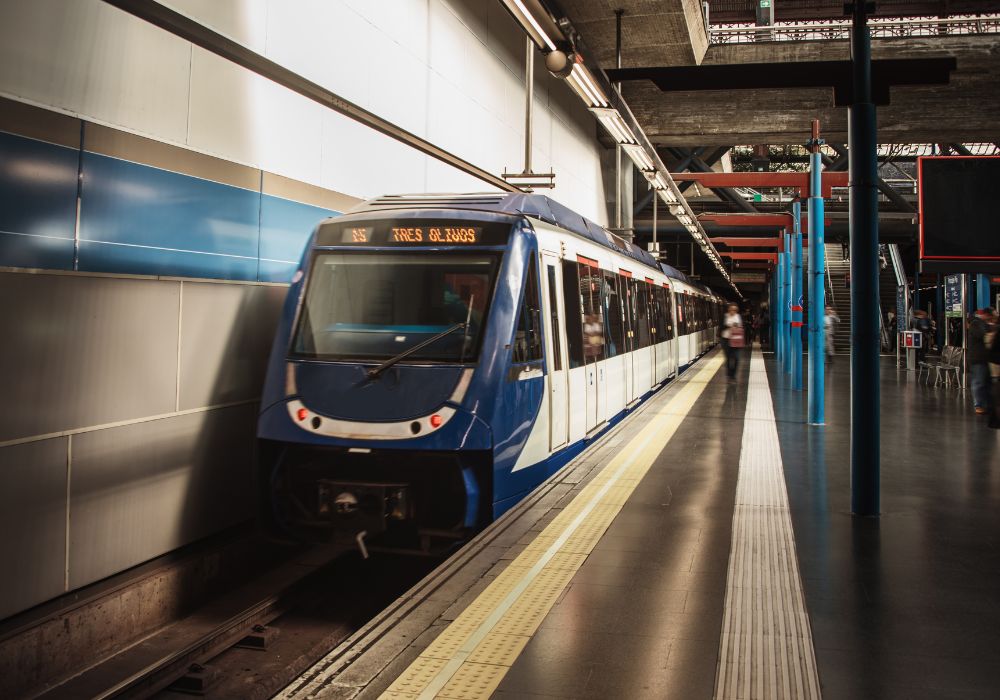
point(436, 421)
point(302, 414)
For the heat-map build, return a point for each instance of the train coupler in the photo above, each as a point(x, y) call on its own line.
point(358, 506)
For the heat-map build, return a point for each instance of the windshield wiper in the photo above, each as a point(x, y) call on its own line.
point(375, 371)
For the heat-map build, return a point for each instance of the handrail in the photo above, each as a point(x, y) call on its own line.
point(837, 29)
point(829, 280)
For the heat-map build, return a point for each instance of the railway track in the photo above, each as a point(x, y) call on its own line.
point(252, 641)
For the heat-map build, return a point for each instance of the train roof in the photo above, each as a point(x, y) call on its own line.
point(537, 206)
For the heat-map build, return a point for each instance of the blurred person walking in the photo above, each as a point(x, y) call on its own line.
point(921, 322)
point(979, 370)
point(764, 328)
point(830, 323)
point(992, 341)
point(733, 338)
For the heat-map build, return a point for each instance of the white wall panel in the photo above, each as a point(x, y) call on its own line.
point(399, 87)
point(325, 41)
point(244, 21)
point(402, 21)
point(506, 40)
point(87, 58)
point(448, 70)
point(224, 120)
point(361, 161)
point(443, 178)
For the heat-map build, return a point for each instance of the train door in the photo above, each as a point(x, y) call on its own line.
point(555, 348)
point(671, 330)
point(628, 304)
point(593, 338)
point(651, 321)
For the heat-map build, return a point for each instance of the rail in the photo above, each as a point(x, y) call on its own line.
point(829, 280)
point(839, 29)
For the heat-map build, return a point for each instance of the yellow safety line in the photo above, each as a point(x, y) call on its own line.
point(471, 656)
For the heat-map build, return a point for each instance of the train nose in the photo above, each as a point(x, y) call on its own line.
point(402, 393)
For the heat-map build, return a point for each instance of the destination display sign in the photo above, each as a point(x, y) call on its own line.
point(413, 232)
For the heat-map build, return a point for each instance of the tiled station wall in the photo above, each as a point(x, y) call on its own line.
point(154, 199)
point(141, 285)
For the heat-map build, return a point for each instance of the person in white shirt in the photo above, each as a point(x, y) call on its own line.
point(733, 338)
point(830, 323)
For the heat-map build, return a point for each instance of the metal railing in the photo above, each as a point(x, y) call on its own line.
point(829, 280)
point(839, 29)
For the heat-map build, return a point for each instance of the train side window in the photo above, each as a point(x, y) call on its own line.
point(614, 322)
point(628, 313)
point(681, 314)
point(593, 313)
point(668, 313)
point(528, 335)
point(556, 362)
point(641, 297)
point(574, 314)
point(653, 319)
point(661, 314)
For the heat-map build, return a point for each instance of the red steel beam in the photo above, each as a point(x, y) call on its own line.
point(737, 242)
point(772, 257)
point(799, 181)
point(781, 220)
point(758, 220)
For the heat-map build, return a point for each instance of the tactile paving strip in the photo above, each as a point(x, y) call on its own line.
point(470, 657)
point(766, 649)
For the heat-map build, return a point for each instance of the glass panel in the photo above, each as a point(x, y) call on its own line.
point(628, 311)
point(554, 314)
point(593, 315)
point(668, 314)
point(528, 335)
point(641, 313)
point(375, 306)
point(655, 330)
point(613, 314)
point(574, 314)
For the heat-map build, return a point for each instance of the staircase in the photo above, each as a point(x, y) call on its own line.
point(841, 301)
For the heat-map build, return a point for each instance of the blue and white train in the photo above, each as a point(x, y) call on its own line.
point(440, 356)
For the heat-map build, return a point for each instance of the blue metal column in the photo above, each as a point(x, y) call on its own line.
point(983, 291)
point(788, 302)
point(817, 286)
point(863, 143)
point(779, 310)
point(797, 297)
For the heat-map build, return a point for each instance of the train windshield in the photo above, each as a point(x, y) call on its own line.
point(374, 306)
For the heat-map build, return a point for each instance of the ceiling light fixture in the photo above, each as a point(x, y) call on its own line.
point(530, 24)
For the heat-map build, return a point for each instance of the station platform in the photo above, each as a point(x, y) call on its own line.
point(705, 548)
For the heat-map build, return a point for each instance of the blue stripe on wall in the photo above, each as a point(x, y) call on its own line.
point(137, 219)
point(37, 203)
point(285, 227)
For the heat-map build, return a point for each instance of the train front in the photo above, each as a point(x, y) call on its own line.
point(372, 414)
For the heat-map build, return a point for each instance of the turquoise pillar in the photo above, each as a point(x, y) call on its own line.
point(788, 302)
point(779, 310)
point(796, 297)
point(983, 292)
point(817, 292)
